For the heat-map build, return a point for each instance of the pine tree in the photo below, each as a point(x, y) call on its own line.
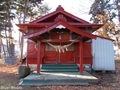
point(26, 11)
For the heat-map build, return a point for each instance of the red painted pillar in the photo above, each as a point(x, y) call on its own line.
point(81, 68)
point(27, 52)
point(38, 56)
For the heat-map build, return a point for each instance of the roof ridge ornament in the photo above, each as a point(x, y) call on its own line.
point(60, 17)
point(59, 8)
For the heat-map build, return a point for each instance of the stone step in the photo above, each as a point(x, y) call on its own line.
point(66, 78)
point(58, 65)
point(54, 82)
point(59, 68)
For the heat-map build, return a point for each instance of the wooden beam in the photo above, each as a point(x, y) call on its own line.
point(81, 67)
point(38, 57)
point(47, 24)
point(60, 40)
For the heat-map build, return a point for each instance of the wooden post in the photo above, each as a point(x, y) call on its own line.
point(81, 68)
point(38, 56)
point(27, 52)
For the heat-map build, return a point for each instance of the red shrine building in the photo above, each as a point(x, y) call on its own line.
point(62, 38)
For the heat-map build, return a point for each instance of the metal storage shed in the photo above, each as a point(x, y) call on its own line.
point(103, 54)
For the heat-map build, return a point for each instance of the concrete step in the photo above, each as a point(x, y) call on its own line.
point(66, 78)
point(54, 82)
point(59, 65)
point(59, 68)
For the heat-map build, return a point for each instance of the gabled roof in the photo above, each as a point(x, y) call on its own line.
point(59, 10)
point(59, 17)
point(49, 19)
point(57, 23)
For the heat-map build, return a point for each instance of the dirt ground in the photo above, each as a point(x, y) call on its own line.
point(9, 80)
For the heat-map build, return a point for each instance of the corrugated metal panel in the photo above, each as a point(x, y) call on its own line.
point(103, 53)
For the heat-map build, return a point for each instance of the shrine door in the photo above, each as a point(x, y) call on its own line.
point(61, 57)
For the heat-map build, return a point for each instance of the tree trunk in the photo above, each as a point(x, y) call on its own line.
point(22, 40)
point(3, 48)
point(9, 36)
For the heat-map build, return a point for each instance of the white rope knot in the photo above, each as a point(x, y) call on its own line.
point(60, 47)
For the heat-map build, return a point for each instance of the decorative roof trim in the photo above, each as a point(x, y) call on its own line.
point(60, 22)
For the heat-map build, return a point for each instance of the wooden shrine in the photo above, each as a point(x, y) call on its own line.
point(59, 38)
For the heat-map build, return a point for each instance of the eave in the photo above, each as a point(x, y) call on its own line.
point(60, 22)
point(24, 27)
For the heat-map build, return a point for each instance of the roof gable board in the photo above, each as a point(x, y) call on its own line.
point(57, 23)
point(58, 11)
